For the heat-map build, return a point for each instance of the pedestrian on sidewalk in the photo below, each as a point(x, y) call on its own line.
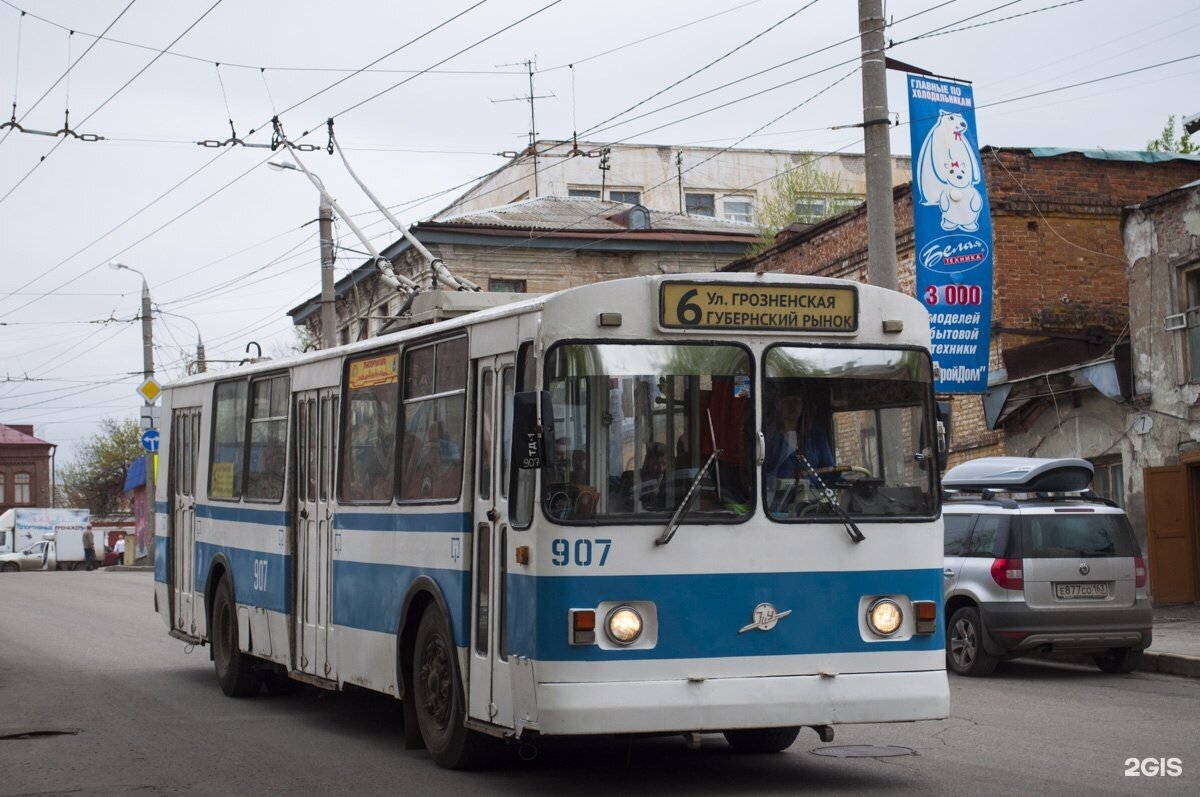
point(89, 547)
point(119, 547)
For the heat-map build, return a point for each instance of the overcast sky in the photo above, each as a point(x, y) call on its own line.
point(224, 241)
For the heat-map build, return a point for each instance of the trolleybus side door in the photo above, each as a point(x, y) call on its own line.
point(491, 693)
point(316, 451)
point(185, 450)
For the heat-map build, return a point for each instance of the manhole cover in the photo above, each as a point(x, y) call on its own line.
point(863, 751)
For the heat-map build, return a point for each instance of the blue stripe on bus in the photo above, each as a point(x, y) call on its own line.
point(162, 555)
point(699, 616)
point(457, 522)
point(243, 514)
point(369, 596)
point(273, 590)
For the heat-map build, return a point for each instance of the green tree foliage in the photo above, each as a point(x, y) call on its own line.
point(95, 480)
point(806, 185)
point(1167, 141)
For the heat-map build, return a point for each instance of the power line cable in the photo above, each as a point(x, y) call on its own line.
point(111, 97)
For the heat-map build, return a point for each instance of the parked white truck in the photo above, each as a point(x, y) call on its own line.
point(22, 527)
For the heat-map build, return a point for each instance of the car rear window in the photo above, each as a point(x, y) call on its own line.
point(1075, 534)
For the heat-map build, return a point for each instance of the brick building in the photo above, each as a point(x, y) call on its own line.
point(26, 472)
point(1059, 380)
point(535, 246)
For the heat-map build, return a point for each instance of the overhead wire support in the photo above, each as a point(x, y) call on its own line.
point(437, 266)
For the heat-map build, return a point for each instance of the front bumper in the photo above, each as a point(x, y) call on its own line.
point(717, 704)
point(1013, 628)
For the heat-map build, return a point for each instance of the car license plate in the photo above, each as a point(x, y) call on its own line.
point(1080, 591)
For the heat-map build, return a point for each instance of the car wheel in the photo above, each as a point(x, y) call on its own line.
point(235, 670)
point(761, 740)
point(1119, 660)
point(437, 696)
point(10, 567)
point(964, 645)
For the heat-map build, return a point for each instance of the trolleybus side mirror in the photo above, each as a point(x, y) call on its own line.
point(942, 414)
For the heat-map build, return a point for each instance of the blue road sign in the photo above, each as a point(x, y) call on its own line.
point(150, 440)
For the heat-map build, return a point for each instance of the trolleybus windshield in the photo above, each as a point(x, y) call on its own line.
point(849, 428)
point(635, 423)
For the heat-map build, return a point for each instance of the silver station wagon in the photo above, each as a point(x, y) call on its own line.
point(1035, 564)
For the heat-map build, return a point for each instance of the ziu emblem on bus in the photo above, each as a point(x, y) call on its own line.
point(765, 618)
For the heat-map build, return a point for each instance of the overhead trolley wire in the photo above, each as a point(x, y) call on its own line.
point(111, 97)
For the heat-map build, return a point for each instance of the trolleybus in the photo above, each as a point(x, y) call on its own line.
point(679, 503)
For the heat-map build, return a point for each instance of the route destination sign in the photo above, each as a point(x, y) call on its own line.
point(740, 306)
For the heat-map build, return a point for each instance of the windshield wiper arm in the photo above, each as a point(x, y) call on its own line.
point(828, 497)
point(673, 525)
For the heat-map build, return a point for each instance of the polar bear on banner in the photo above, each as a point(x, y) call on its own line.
point(948, 171)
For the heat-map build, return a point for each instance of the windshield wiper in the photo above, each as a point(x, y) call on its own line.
point(828, 497)
point(673, 525)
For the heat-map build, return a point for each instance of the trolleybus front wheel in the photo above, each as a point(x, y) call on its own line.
point(438, 697)
point(235, 670)
point(761, 740)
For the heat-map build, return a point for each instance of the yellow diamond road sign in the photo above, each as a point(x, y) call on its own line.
point(149, 390)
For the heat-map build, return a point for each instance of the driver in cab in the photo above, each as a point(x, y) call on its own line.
point(797, 447)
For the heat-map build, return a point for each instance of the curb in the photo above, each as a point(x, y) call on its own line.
point(1171, 664)
point(127, 568)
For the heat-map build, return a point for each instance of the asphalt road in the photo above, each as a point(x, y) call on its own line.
point(117, 707)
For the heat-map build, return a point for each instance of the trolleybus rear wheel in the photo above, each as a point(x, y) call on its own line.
point(438, 697)
point(235, 670)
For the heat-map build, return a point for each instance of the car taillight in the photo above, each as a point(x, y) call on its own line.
point(1008, 573)
point(1139, 572)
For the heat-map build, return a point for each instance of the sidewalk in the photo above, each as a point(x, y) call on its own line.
point(1176, 646)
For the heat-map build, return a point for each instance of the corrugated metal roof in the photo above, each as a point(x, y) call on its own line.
point(1114, 154)
point(577, 214)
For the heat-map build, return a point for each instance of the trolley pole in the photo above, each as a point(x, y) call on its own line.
point(328, 301)
point(881, 215)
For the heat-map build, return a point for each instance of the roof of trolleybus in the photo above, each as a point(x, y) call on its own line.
point(636, 299)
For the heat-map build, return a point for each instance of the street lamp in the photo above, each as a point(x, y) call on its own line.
point(201, 366)
point(148, 373)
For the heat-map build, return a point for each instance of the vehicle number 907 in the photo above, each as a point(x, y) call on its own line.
point(260, 575)
point(583, 553)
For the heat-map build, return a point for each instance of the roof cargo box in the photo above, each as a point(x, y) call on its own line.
point(1020, 475)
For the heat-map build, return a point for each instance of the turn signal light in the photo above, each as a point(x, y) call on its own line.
point(926, 614)
point(583, 626)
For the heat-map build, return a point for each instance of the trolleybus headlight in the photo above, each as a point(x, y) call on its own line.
point(624, 625)
point(884, 617)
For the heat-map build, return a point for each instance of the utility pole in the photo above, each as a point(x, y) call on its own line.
point(328, 302)
point(881, 215)
point(151, 458)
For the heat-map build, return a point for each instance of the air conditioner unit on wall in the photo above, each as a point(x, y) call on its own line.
point(1176, 321)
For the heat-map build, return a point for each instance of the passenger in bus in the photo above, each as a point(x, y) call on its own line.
point(653, 477)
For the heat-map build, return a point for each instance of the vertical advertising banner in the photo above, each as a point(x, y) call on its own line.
point(953, 230)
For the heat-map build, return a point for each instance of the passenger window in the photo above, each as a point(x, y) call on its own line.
point(958, 527)
point(983, 539)
point(229, 441)
point(435, 379)
point(369, 458)
point(485, 434)
point(268, 439)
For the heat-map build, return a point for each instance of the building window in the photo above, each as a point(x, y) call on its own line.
point(1191, 281)
point(739, 208)
point(506, 286)
point(702, 205)
point(2, 477)
point(584, 193)
point(812, 208)
point(1109, 480)
point(628, 197)
point(21, 489)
